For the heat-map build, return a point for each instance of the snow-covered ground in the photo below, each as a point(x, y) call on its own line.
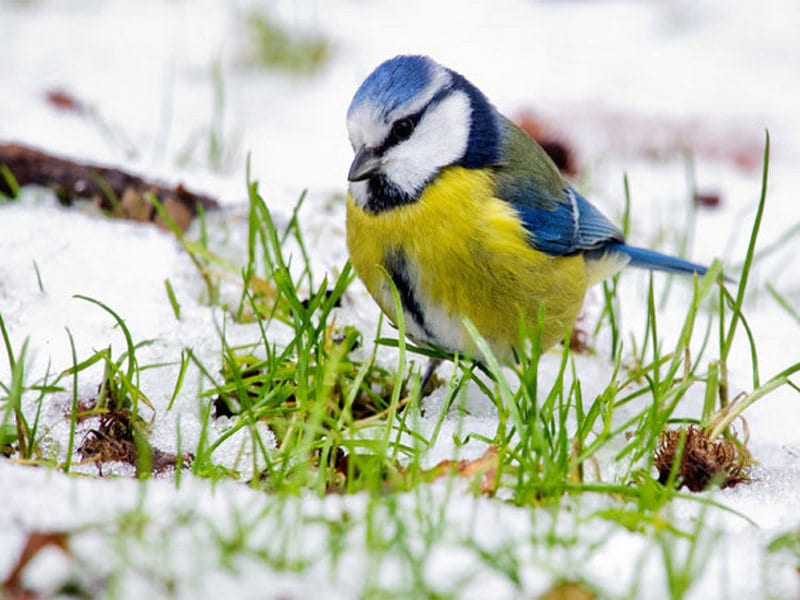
point(629, 84)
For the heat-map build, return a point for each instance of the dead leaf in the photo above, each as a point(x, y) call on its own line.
point(13, 588)
point(484, 468)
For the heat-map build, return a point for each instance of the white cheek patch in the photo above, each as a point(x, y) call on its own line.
point(440, 139)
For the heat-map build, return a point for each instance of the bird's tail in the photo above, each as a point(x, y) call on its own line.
point(648, 259)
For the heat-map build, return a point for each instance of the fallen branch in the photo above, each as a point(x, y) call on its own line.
point(115, 190)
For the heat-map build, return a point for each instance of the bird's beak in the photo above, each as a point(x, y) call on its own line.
point(365, 164)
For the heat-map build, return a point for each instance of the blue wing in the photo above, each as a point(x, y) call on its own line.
point(569, 227)
point(577, 226)
point(560, 221)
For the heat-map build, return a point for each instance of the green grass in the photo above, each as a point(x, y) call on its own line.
point(269, 45)
point(10, 182)
point(324, 414)
point(212, 145)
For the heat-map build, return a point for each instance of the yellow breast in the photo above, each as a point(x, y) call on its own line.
point(466, 254)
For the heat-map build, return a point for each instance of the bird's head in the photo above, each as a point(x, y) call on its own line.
point(411, 118)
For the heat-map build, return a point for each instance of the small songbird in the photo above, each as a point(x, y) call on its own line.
point(469, 216)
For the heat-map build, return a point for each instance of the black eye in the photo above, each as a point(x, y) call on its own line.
point(402, 129)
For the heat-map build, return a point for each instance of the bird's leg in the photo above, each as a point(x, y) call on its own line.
point(427, 385)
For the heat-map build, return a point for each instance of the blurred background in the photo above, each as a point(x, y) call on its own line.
point(177, 87)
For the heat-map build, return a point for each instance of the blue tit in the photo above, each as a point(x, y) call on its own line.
point(469, 216)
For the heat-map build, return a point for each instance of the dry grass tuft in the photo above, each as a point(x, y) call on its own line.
point(703, 461)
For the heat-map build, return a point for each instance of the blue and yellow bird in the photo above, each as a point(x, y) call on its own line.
point(468, 215)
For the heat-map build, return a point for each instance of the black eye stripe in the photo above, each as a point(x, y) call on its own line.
point(413, 119)
point(401, 130)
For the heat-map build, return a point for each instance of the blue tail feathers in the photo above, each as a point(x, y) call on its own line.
point(648, 259)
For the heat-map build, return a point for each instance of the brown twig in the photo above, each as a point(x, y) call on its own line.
point(113, 189)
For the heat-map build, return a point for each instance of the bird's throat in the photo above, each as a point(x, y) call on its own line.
point(382, 194)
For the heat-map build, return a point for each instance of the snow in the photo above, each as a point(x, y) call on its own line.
point(709, 74)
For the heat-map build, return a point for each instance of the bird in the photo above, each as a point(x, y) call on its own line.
point(466, 216)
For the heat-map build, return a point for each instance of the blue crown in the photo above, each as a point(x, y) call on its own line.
point(394, 83)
